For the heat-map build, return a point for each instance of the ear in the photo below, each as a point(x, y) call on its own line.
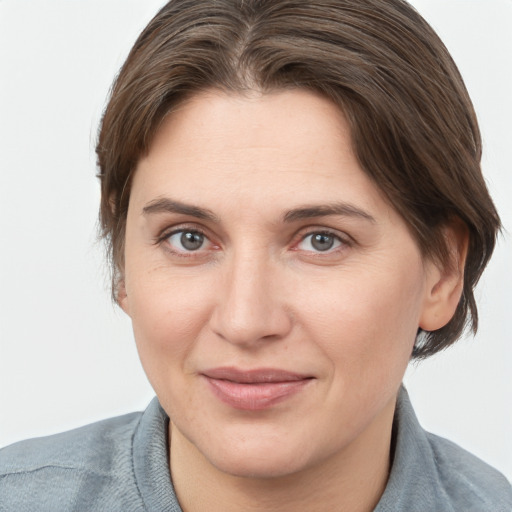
point(122, 296)
point(445, 279)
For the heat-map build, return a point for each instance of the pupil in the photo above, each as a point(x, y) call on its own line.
point(191, 241)
point(322, 242)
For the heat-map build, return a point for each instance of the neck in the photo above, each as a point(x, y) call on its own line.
point(350, 481)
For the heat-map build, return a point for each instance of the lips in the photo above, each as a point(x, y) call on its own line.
point(255, 389)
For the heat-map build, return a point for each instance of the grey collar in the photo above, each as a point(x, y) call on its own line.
point(428, 473)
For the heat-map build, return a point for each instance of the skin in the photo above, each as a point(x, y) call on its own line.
point(258, 294)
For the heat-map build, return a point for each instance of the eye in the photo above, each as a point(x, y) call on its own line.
point(187, 240)
point(319, 242)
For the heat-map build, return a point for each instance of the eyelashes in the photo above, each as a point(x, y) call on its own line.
point(185, 242)
point(193, 242)
point(320, 241)
point(189, 240)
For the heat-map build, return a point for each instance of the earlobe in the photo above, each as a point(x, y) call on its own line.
point(445, 280)
point(122, 297)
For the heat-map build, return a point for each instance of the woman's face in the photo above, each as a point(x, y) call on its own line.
point(275, 295)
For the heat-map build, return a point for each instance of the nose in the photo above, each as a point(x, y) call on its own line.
point(250, 306)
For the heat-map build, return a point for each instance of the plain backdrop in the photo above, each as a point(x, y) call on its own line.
point(67, 355)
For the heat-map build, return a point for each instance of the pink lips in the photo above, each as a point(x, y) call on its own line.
point(254, 390)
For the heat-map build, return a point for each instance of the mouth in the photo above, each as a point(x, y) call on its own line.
point(256, 389)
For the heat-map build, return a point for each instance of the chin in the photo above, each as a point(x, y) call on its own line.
point(259, 460)
point(258, 467)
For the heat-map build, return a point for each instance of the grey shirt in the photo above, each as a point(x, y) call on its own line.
point(121, 464)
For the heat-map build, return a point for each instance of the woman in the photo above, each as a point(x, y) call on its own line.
point(294, 205)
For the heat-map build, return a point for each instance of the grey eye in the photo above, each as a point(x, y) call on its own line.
point(187, 240)
point(191, 240)
point(322, 241)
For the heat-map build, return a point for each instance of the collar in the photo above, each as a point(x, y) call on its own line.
point(414, 483)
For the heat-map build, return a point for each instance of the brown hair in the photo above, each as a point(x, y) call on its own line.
point(413, 126)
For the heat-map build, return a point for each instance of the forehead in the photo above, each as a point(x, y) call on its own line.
point(272, 148)
point(281, 122)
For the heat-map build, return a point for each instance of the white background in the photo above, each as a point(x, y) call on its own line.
point(67, 356)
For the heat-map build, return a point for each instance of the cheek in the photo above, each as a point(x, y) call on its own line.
point(167, 322)
point(168, 312)
point(366, 321)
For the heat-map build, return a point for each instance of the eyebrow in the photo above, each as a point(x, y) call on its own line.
point(324, 210)
point(166, 205)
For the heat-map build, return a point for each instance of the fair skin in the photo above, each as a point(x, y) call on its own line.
point(256, 246)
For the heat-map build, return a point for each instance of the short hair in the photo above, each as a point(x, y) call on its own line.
point(413, 127)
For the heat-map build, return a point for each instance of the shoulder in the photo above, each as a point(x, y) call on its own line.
point(88, 448)
point(467, 480)
point(63, 467)
point(430, 473)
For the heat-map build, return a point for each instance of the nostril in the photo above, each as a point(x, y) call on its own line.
point(251, 327)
